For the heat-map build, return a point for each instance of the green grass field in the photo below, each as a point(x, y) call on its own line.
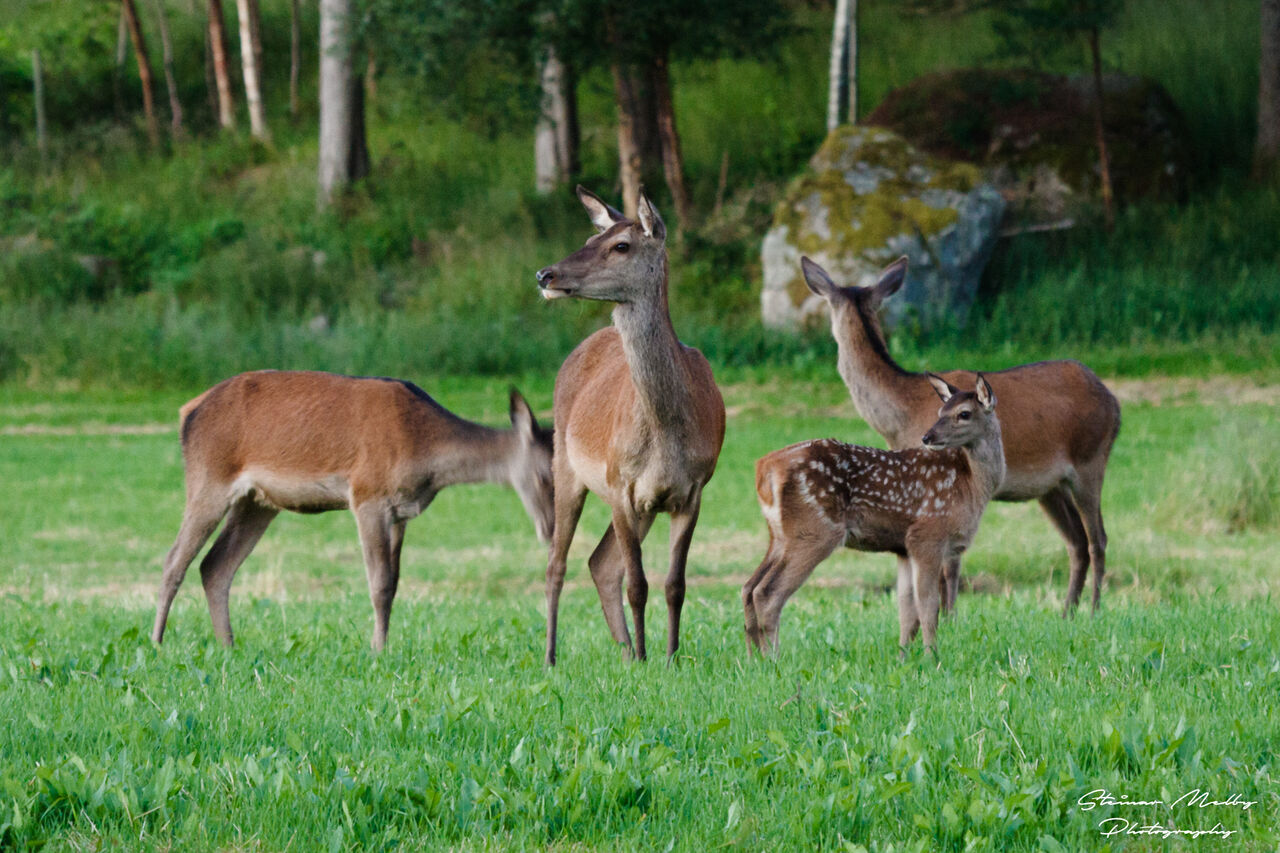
point(458, 737)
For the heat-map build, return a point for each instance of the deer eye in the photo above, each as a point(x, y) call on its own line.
point(622, 248)
point(964, 415)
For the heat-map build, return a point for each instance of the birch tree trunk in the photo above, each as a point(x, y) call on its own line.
point(835, 76)
point(1266, 150)
point(166, 45)
point(144, 70)
point(218, 50)
point(556, 137)
point(250, 60)
point(851, 63)
point(336, 94)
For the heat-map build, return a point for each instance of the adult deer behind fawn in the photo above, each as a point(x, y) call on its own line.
point(309, 442)
point(1059, 421)
point(923, 504)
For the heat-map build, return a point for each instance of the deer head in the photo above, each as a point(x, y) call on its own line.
point(965, 417)
point(625, 261)
point(856, 308)
point(529, 471)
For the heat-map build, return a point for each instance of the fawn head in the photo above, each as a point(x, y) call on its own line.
point(624, 261)
point(966, 417)
point(530, 467)
point(853, 304)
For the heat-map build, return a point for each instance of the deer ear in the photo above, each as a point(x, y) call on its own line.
point(603, 217)
point(986, 397)
point(522, 419)
point(945, 390)
point(890, 281)
point(817, 279)
point(650, 219)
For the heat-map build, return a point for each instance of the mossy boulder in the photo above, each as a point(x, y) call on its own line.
point(1033, 135)
point(868, 197)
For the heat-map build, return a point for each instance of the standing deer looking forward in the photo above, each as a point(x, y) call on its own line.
point(310, 442)
point(1059, 421)
point(639, 420)
point(922, 504)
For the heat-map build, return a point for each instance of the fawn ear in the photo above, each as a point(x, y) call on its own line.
point(650, 219)
point(890, 281)
point(522, 419)
point(986, 397)
point(603, 217)
point(945, 389)
point(817, 279)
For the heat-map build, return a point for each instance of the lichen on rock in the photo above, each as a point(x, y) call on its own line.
point(867, 197)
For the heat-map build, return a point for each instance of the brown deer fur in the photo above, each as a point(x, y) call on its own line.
point(1059, 421)
point(261, 442)
point(640, 420)
point(922, 504)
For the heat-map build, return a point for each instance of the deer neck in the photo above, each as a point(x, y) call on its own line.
point(882, 392)
point(654, 356)
point(470, 453)
point(986, 461)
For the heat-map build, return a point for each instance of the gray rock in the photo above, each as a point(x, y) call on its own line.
point(867, 198)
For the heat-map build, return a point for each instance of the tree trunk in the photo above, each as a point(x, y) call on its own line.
point(42, 127)
point(250, 61)
point(358, 164)
point(336, 95)
point(836, 73)
point(222, 77)
point(117, 77)
point(166, 44)
point(630, 165)
point(1266, 151)
point(851, 64)
point(144, 70)
point(295, 56)
point(556, 138)
point(672, 160)
point(1104, 161)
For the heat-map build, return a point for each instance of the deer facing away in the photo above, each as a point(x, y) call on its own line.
point(1059, 421)
point(923, 504)
point(309, 442)
point(639, 420)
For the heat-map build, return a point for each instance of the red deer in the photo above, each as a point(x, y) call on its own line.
point(923, 504)
point(639, 420)
point(307, 442)
point(1059, 421)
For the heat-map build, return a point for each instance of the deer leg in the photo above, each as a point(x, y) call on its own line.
point(1062, 512)
point(798, 557)
point(754, 637)
point(908, 614)
point(682, 525)
point(199, 519)
point(950, 581)
point(1087, 498)
point(926, 566)
point(245, 525)
point(608, 573)
point(377, 541)
point(630, 532)
point(569, 497)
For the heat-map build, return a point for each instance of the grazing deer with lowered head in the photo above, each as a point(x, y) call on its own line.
point(639, 420)
point(922, 504)
point(309, 442)
point(1059, 421)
